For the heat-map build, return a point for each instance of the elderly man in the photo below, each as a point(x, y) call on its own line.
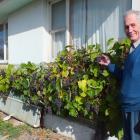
point(130, 77)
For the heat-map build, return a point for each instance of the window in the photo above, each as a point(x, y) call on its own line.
point(84, 22)
point(93, 21)
point(59, 25)
point(3, 43)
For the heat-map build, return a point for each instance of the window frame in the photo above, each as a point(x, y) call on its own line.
point(66, 28)
point(5, 40)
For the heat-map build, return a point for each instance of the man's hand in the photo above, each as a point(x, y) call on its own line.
point(104, 60)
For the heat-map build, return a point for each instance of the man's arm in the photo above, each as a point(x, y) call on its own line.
point(105, 60)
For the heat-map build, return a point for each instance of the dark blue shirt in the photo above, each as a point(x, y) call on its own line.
point(130, 79)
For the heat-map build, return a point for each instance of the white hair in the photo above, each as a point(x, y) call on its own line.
point(133, 12)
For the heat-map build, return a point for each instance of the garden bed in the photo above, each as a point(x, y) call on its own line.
point(13, 106)
point(76, 129)
point(75, 85)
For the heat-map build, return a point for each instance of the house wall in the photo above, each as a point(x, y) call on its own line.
point(136, 5)
point(28, 29)
point(27, 34)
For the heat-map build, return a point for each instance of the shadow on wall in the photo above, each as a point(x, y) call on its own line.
point(35, 15)
point(30, 17)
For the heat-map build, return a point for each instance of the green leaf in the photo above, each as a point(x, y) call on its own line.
point(50, 98)
point(92, 83)
point(83, 85)
point(58, 85)
point(25, 92)
point(38, 93)
point(110, 42)
point(94, 70)
point(105, 73)
point(106, 112)
point(73, 112)
point(85, 77)
point(65, 73)
point(78, 99)
point(126, 41)
point(83, 94)
point(120, 134)
point(94, 55)
point(85, 112)
point(91, 93)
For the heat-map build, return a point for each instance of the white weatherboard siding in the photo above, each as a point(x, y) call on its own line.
point(27, 34)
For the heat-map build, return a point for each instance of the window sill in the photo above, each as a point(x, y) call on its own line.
point(3, 62)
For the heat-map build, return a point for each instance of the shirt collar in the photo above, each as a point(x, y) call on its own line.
point(136, 43)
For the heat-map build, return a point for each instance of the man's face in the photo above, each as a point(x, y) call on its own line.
point(132, 27)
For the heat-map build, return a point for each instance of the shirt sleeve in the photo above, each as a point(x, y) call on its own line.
point(115, 70)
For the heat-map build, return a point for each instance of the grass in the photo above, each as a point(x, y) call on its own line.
point(7, 129)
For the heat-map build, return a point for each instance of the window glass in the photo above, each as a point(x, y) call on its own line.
point(58, 15)
point(58, 42)
point(58, 29)
point(93, 21)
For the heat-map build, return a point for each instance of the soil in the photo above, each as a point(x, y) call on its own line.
point(35, 133)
